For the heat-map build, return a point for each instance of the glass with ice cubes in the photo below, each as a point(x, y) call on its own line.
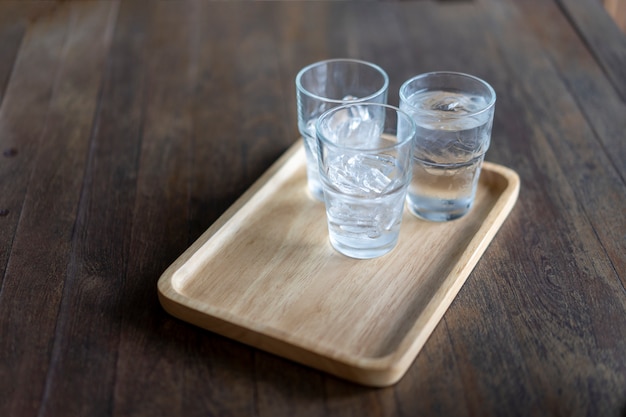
point(364, 152)
point(454, 116)
point(327, 84)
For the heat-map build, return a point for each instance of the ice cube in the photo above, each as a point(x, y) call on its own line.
point(373, 172)
point(446, 104)
point(448, 101)
point(362, 174)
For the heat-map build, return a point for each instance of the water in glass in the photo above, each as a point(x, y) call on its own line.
point(451, 141)
point(364, 201)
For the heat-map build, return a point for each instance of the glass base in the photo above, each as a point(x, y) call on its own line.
point(315, 190)
point(354, 248)
point(439, 215)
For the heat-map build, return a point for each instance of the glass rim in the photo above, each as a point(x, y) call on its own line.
point(306, 92)
point(482, 82)
point(320, 136)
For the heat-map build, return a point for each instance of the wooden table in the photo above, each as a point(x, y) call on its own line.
point(127, 128)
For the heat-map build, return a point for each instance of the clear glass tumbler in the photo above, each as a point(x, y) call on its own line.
point(327, 84)
point(364, 153)
point(454, 116)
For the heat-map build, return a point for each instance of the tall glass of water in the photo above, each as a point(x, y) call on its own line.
point(454, 117)
point(327, 84)
point(364, 155)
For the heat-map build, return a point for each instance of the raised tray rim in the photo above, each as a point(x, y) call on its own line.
point(371, 371)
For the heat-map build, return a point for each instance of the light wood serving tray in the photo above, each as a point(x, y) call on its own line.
point(265, 274)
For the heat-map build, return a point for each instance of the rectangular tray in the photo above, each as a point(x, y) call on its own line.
point(265, 274)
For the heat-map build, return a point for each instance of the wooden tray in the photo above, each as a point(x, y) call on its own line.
point(265, 274)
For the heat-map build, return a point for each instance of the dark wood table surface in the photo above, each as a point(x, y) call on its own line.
point(127, 128)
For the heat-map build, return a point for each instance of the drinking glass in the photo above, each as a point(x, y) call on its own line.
point(327, 84)
point(454, 116)
point(364, 153)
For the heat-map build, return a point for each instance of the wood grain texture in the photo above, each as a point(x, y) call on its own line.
point(264, 274)
point(590, 117)
point(41, 187)
point(604, 37)
point(127, 128)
